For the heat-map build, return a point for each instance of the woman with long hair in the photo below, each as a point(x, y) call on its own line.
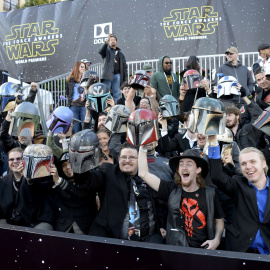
point(104, 137)
point(76, 94)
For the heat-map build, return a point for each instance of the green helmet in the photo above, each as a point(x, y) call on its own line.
point(25, 112)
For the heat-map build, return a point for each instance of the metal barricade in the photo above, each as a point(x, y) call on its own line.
point(51, 89)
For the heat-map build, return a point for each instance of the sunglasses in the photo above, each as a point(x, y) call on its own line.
point(168, 63)
point(17, 159)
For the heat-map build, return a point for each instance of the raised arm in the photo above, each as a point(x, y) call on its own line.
point(143, 172)
point(57, 151)
point(129, 101)
point(224, 182)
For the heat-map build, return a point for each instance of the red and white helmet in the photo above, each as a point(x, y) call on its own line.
point(139, 80)
point(191, 79)
point(142, 127)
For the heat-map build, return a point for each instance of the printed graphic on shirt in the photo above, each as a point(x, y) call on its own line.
point(169, 78)
point(193, 216)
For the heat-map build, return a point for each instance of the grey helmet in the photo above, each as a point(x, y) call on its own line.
point(169, 106)
point(84, 151)
point(117, 119)
point(89, 77)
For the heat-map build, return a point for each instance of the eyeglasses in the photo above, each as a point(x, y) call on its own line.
point(83, 66)
point(17, 159)
point(131, 158)
point(228, 53)
point(168, 63)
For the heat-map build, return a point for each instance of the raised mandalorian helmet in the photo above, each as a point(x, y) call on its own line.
point(38, 159)
point(226, 137)
point(142, 127)
point(117, 119)
point(97, 95)
point(191, 79)
point(25, 112)
point(263, 121)
point(89, 77)
point(169, 106)
point(8, 95)
point(227, 87)
point(61, 119)
point(139, 80)
point(208, 117)
point(84, 151)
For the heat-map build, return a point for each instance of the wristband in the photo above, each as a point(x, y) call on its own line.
point(213, 144)
point(87, 118)
point(143, 150)
point(59, 181)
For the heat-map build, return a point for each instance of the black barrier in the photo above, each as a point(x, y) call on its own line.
point(29, 249)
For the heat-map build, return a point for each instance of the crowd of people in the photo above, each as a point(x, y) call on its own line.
point(157, 157)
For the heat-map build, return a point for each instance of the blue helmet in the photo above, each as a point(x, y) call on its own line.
point(61, 119)
point(7, 94)
point(97, 95)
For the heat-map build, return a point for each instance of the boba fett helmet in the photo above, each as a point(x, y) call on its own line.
point(38, 159)
point(25, 112)
point(208, 117)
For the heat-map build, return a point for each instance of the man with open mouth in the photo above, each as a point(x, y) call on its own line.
point(195, 216)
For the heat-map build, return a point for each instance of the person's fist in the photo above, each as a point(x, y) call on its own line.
point(33, 86)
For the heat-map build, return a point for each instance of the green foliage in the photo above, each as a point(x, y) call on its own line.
point(30, 3)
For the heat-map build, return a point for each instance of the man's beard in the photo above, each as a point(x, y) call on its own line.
point(168, 71)
point(101, 127)
point(188, 184)
point(232, 125)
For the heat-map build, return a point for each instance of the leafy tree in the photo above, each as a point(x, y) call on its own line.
point(30, 3)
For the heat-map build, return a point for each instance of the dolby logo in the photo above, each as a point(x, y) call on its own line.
point(101, 32)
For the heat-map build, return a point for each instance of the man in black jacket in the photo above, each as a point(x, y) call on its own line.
point(244, 135)
point(262, 97)
point(127, 209)
point(115, 68)
point(249, 231)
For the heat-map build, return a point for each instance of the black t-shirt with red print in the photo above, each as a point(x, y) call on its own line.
point(193, 208)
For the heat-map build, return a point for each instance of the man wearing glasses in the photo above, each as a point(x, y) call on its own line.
point(127, 209)
point(164, 80)
point(234, 68)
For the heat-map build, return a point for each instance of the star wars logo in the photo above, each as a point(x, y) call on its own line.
point(101, 32)
point(32, 40)
point(191, 23)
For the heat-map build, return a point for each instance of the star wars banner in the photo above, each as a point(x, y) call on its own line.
point(45, 41)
